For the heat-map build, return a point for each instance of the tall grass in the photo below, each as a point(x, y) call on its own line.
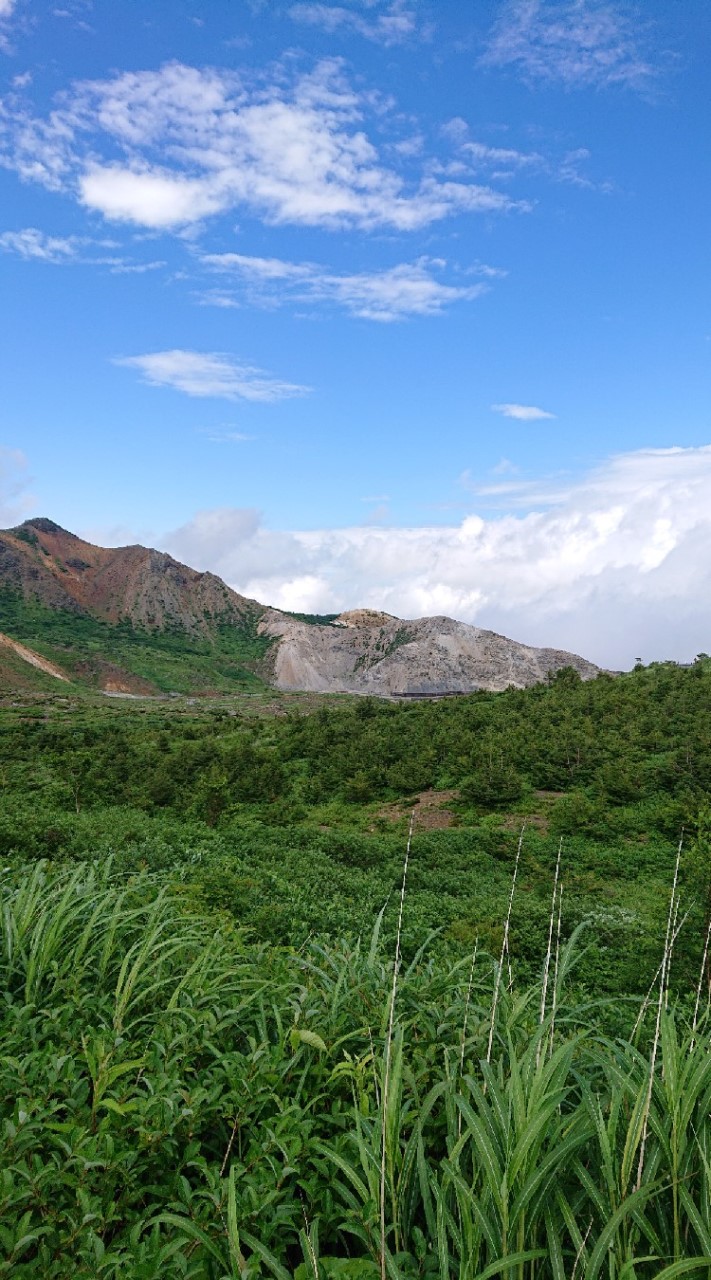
point(179, 1102)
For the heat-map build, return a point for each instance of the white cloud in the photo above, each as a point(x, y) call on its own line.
point(485, 156)
point(34, 245)
point(616, 565)
point(226, 435)
point(209, 374)
point(31, 243)
point(522, 412)
point(150, 198)
point(575, 42)
point(6, 8)
point(216, 298)
point(408, 289)
point(193, 143)
point(394, 26)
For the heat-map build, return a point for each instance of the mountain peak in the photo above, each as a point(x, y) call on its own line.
point(42, 524)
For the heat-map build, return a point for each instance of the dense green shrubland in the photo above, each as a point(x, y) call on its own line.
point(295, 822)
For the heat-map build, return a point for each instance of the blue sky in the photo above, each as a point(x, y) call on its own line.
point(385, 302)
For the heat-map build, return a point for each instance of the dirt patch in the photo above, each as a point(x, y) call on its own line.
point(430, 809)
point(110, 678)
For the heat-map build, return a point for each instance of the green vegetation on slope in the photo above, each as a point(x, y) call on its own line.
point(170, 659)
point(295, 824)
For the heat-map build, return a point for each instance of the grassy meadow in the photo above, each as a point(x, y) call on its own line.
point(326, 987)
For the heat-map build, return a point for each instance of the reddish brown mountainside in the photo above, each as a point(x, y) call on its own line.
point(147, 587)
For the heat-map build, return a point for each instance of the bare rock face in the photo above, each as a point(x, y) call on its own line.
point(363, 651)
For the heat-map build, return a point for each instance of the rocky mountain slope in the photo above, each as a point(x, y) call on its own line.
point(137, 584)
point(135, 620)
point(368, 652)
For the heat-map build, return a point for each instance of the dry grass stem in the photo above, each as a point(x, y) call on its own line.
point(504, 947)
point(660, 1006)
point(647, 999)
point(389, 1047)
point(699, 986)
point(554, 1004)
point(549, 950)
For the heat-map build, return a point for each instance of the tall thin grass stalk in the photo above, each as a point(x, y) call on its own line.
point(389, 1047)
point(699, 985)
point(554, 1003)
point(660, 1006)
point(674, 933)
point(547, 962)
point(646, 1002)
point(504, 948)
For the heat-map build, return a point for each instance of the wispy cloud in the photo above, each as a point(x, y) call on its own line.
point(32, 243)
point(611, 559)
point(6, 12)
point(477, 159)
point(215, 298)
point(394, 25)
point(210, 374)
point(225, 435)
point(578, 43)
point(522, 412)
point(408, 289)
point(165, 149)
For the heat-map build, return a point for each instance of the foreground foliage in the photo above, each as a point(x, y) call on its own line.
point(185, 1102)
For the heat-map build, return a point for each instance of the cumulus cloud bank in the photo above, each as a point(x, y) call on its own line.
point(616, 567)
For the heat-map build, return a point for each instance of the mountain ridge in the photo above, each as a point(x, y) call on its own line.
point(134, 619)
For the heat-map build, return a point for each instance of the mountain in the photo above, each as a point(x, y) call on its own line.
point(135, 584)
point(364, 651)
point(134, 620)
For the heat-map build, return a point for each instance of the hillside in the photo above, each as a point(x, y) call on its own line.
point(134, 620)
point(125, 619)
